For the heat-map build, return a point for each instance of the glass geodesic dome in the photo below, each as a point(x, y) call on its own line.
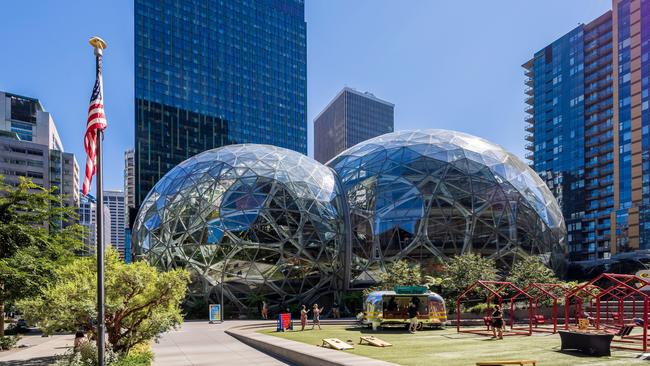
point(427, 195)
point(264, 221)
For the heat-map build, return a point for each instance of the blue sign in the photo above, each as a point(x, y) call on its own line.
point(215, 312)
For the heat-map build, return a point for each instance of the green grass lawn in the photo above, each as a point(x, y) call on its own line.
point(448, 348)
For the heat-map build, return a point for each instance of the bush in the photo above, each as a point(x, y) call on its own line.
point(7, 343)
point(477, 309)
point(87, 356)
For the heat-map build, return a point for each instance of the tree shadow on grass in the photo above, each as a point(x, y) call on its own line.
point(37, 361)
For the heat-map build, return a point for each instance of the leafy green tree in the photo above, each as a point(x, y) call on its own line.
point(399, 273)
point(460, 272)
point(36, 236)
point(141, 302)
point(529, 270)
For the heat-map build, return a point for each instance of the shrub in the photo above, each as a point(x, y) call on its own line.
point(8, 342)
point(87, 356)
point(477, 309)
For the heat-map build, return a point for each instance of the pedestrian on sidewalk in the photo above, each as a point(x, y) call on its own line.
point(316, 311)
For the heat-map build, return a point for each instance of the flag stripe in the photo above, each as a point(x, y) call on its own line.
point(95, 122)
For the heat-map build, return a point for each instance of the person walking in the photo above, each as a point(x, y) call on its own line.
point(336, 313)
point(303, 317)
point(265, 310)
point(316, 311)
point(497, 322)
point(413, 317)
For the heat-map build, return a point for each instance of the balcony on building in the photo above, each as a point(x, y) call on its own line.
point(530, 100)
point(529, 137)
point(530, 147)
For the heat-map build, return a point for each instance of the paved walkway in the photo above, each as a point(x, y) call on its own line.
point(200, 343)
point(41, 351)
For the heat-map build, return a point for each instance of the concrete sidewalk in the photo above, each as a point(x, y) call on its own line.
point(200, 343)
point(41, 351)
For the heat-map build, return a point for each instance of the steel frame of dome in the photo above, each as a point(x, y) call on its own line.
point(263, 220)
point(270, 223)
point(426, 195)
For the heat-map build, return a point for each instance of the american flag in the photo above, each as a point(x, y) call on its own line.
point(96, 122)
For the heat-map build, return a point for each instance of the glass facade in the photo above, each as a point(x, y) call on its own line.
point(606, 94)
point(269, 223)
point(352, 117)
point(212, 73)
point(427, 195)
point(571, 125)
point(266, 222)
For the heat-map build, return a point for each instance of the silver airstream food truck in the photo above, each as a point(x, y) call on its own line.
point(389, 308)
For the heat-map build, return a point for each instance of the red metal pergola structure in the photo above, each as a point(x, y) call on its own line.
point(576, 297)
point(497, 292)
point(631, 306)
point(541, 293)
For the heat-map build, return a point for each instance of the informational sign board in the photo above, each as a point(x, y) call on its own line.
point(215, 312)
point(284, 322)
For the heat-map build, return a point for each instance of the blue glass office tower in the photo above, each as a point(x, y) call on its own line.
point(212, 72)
point(587, 129)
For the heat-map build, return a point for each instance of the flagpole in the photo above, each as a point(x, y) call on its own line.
point(98, 46)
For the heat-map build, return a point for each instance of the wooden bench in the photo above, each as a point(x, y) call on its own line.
point(507, 362)
point(336, 343)
point(374, 341)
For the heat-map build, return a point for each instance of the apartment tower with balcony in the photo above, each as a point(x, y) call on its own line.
point(587, 129)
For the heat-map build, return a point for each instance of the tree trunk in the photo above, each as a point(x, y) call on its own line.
point(2, 317)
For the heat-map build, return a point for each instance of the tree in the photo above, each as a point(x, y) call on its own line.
point(529, 270)
point(461, 271)
point(141, 302)
point(36, 236)
point(400, 273)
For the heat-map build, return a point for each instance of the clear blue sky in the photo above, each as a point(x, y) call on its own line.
point(445, 64)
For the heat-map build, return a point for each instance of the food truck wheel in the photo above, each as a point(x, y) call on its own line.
point(419, 327)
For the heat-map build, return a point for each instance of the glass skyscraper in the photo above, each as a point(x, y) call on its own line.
point(583, 137)
point(350, 118)
point(210, 73)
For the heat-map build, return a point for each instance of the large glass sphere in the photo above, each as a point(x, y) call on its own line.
point(264, 221)
point(427, 195)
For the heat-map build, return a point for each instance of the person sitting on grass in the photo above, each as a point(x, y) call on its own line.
point(413, 317)
point(497, 322)
point(316, 316)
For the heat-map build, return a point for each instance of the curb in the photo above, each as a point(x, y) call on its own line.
point(296, 352)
